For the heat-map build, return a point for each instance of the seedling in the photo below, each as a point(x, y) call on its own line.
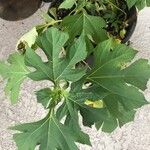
point(92, 75)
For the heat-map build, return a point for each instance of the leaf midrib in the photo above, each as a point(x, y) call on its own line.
point(113, 76)
point(109, 89)
point(61, 132)
point(107, 63)
point(37, 129)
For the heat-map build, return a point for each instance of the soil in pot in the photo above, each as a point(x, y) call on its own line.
point(14, 10)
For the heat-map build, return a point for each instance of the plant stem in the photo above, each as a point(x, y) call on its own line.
point(53, 22)
point(86, 64)
point(51, 112)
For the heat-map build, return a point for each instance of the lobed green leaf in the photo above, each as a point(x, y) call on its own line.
point(15, 71)
point(57, 67)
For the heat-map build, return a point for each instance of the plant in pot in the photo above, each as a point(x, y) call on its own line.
point(93, 75)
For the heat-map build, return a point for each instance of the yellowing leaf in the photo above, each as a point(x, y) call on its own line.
point(95, 104)
point(123, 33)
point(27, 39)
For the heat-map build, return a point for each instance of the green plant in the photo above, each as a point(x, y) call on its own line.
point(106, 92)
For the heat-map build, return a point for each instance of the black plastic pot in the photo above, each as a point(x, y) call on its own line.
point(47, 1)
point(131, 17)
point(132, 21)
point(14, 10)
